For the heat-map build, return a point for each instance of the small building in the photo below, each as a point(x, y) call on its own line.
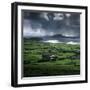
point(48, 56)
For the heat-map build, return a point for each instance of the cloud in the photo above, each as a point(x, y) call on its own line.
point(58, 16)
point(50, 23)
point(34, 33)
point(44, 15)
point(28, 31)
point(68, 15)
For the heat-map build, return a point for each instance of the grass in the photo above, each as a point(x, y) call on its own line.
point(66, 63)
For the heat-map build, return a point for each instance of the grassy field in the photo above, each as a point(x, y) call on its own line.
point(66, 63)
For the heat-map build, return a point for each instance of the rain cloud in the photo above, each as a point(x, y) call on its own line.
point(38, 24)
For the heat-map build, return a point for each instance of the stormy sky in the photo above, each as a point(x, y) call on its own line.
point(37, 24)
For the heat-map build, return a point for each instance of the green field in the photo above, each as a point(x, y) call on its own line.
point(67, 61)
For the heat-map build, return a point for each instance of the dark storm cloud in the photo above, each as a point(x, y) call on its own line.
point(50, 23)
